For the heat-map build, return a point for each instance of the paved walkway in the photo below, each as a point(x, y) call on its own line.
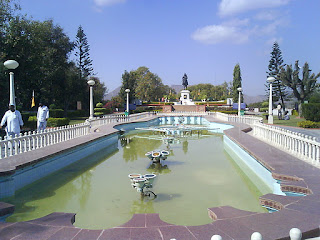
point(294, 174)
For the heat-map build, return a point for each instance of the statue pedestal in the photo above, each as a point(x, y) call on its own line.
point(185, 98)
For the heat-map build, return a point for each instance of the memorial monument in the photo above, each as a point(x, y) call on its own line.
point(185, 94)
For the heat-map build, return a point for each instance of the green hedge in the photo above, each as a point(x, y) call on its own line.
point(229, 112)
point(77, 113)
point(57, 122)
point(56, 113)
point(52, 122)
point(309, 124)
point(311, 111)
point(264, 109)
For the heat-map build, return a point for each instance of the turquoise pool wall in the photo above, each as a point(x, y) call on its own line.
point(25, 176)
point(259, 175)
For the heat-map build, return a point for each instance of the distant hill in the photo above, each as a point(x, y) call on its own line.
point(112, 94)
point(178, 88)
point(254, 99)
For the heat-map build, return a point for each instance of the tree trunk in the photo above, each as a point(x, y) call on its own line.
point(283, 106)
point(300, 107)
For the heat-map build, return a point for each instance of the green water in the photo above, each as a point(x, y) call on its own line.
point(197, 175)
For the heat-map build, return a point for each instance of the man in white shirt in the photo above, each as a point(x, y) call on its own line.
point(13, 119)
point(42, 116)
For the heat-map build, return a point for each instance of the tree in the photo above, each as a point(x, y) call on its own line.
point(237, 82)
point(302, 87)
point(275, 65)
point(149, 85)
point(100, 90)
point(129, 81)
point(82, 52)
point(42, 50)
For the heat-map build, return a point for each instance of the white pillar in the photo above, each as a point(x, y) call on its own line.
point(91, 102)
point(127, 91)
point(12, 100)
point(270, 117)
point(127, 102)
point(91, 82)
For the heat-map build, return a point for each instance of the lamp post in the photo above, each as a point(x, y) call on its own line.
point(127, 91)
point(11, 64)
point(91, 83)
point(270, 117)
point(239, 101)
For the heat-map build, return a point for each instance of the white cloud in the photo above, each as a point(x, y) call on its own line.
point(267, 15)
point(214, 34)
point(101, 3)
point(232, 7)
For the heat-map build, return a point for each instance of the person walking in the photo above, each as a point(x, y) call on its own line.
point(279, 107)
point(13, 121)
point(42, 116)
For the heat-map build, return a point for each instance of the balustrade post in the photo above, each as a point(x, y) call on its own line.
point(256, 236)
point(216, 237)
point(295, 234)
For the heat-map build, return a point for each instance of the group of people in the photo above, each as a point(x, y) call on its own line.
point(12, 120)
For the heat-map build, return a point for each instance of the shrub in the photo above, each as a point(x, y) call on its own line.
point(229, 112)
point(311, 111)
point(264, 109)
point(308, 124)
point(99, 105)
point(26, 115)
point(77, 113)
point(57, 122)
point(56, 113)
point(31, 123)
point(295, 112)
point(52, 106)
point(52, 122)
point(100, 109)
point(98, 114)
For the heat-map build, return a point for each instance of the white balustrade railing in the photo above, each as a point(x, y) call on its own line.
point(235, 118)
point(302, 146)
point(294, 234)
point(29, 141)
point(116, 118)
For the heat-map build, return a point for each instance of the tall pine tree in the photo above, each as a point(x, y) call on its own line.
point(236, 83)
point(275, 64)
point(82, 47)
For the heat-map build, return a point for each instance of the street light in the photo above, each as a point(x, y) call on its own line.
point(270, 117)
point(11, 64)
point(91, 83)
point(239, 101)
point(127, 91)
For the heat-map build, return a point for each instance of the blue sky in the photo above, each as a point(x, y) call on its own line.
point(203, 38)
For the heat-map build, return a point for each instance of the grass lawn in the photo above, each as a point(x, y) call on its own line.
point(293, 122)
point(77, 120)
